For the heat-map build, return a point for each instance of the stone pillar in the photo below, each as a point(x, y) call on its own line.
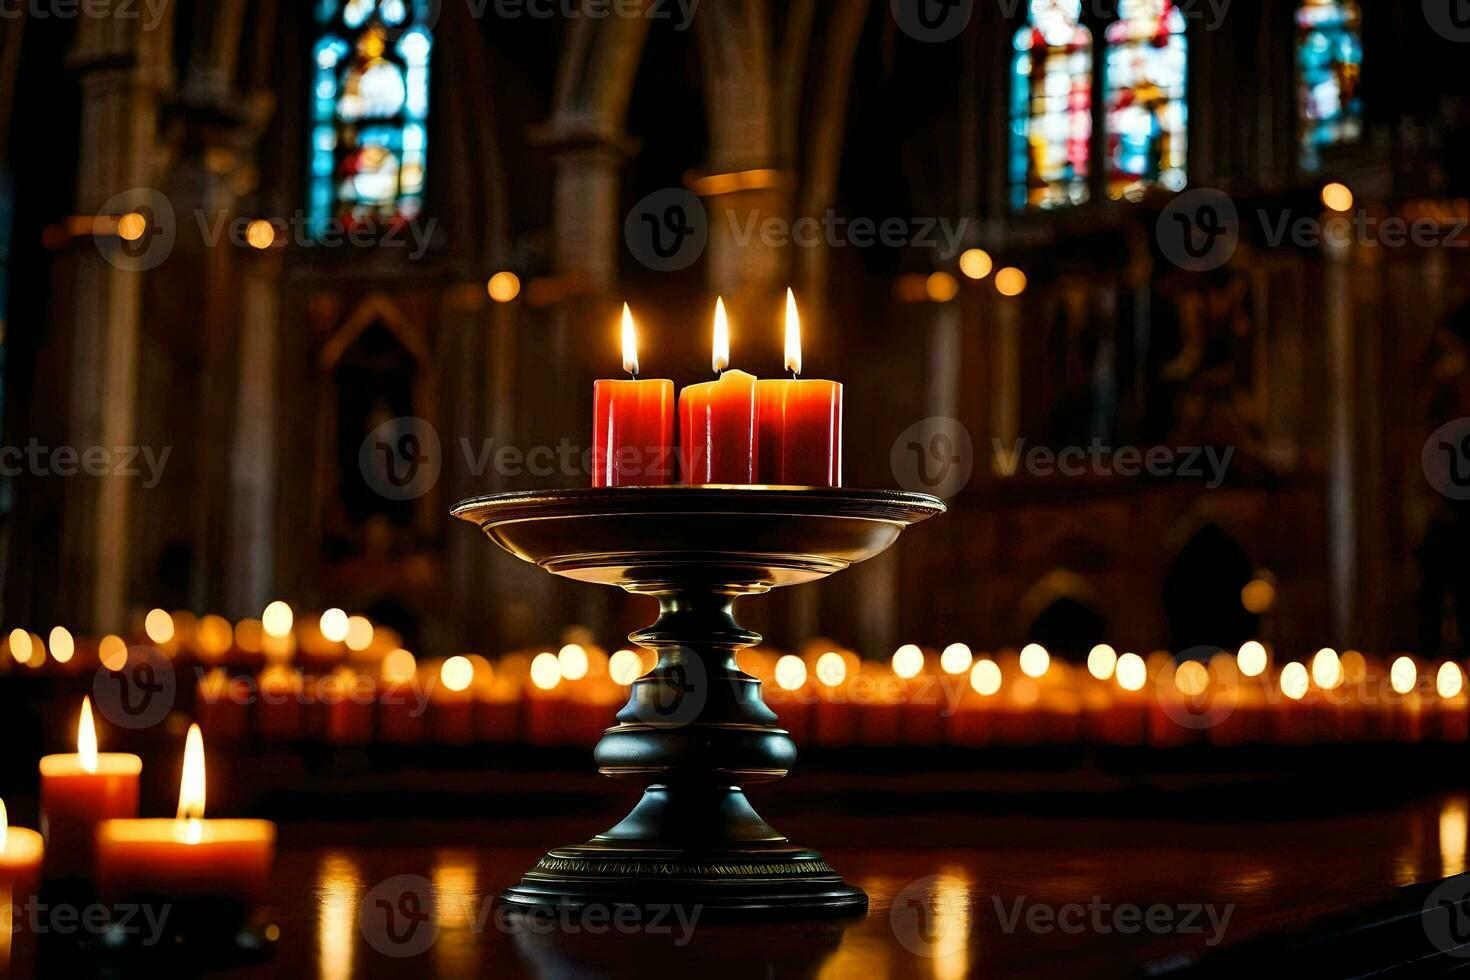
point(123, 67)
point(253, 456)
point(587, 218)
point(1342, 400)
point(1005, 384)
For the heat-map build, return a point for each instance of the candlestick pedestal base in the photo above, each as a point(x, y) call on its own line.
point(695, 729)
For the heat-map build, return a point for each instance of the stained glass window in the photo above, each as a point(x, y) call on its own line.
point(1329, 63)
point(370, 108)
point(1147, 99)
point(1051, 107)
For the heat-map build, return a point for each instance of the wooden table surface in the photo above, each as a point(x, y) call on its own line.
point(951, 895)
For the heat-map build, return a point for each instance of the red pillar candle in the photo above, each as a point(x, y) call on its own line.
point(799, 422)
point(632, 425)
point(717, 420)
point(80, 790)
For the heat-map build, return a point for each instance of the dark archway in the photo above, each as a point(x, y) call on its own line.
point(1202, 592)
point(1068, 629)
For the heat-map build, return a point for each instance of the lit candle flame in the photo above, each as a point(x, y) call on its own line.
point(1450, 681)
point(831, 668)
point(630, 343)
point(793, 335)
point(87, 738)
point(4, 826)
point(721, 359)
point(191, 786)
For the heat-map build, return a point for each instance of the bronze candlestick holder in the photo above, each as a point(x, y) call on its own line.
point(695, 729)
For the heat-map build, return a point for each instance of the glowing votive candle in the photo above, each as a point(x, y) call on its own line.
point(189, 856)
point(21, 851)
point(79, 790)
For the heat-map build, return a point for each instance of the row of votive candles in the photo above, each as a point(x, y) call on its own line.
point(736, 429)
point(91, 833)
point(211, 639)
point(834, 698)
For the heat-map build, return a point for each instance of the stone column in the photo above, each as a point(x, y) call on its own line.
point(1342, 400)
point(253, 456)
point(123, 67)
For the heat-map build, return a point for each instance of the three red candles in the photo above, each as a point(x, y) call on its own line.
point(735, 430)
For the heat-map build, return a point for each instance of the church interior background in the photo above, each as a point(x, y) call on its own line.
point(243, 243)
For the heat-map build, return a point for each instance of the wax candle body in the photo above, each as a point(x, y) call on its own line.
point(185, 858)
point(222, 705)
point(20, 864)
point(498, 711)
point(281, 713)
point(74, 801)
point(401, 709)
point(632, 433)
point(717, 429)
point(452, 717)
point(800, 432)
point(346, 707)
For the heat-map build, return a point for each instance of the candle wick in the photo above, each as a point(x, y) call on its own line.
point(793, 374)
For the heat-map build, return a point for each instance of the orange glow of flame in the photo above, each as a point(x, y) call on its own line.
point(630, 343)
point(793, 335)
point(87, 738)
point(191, 786)
point(721, 358)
